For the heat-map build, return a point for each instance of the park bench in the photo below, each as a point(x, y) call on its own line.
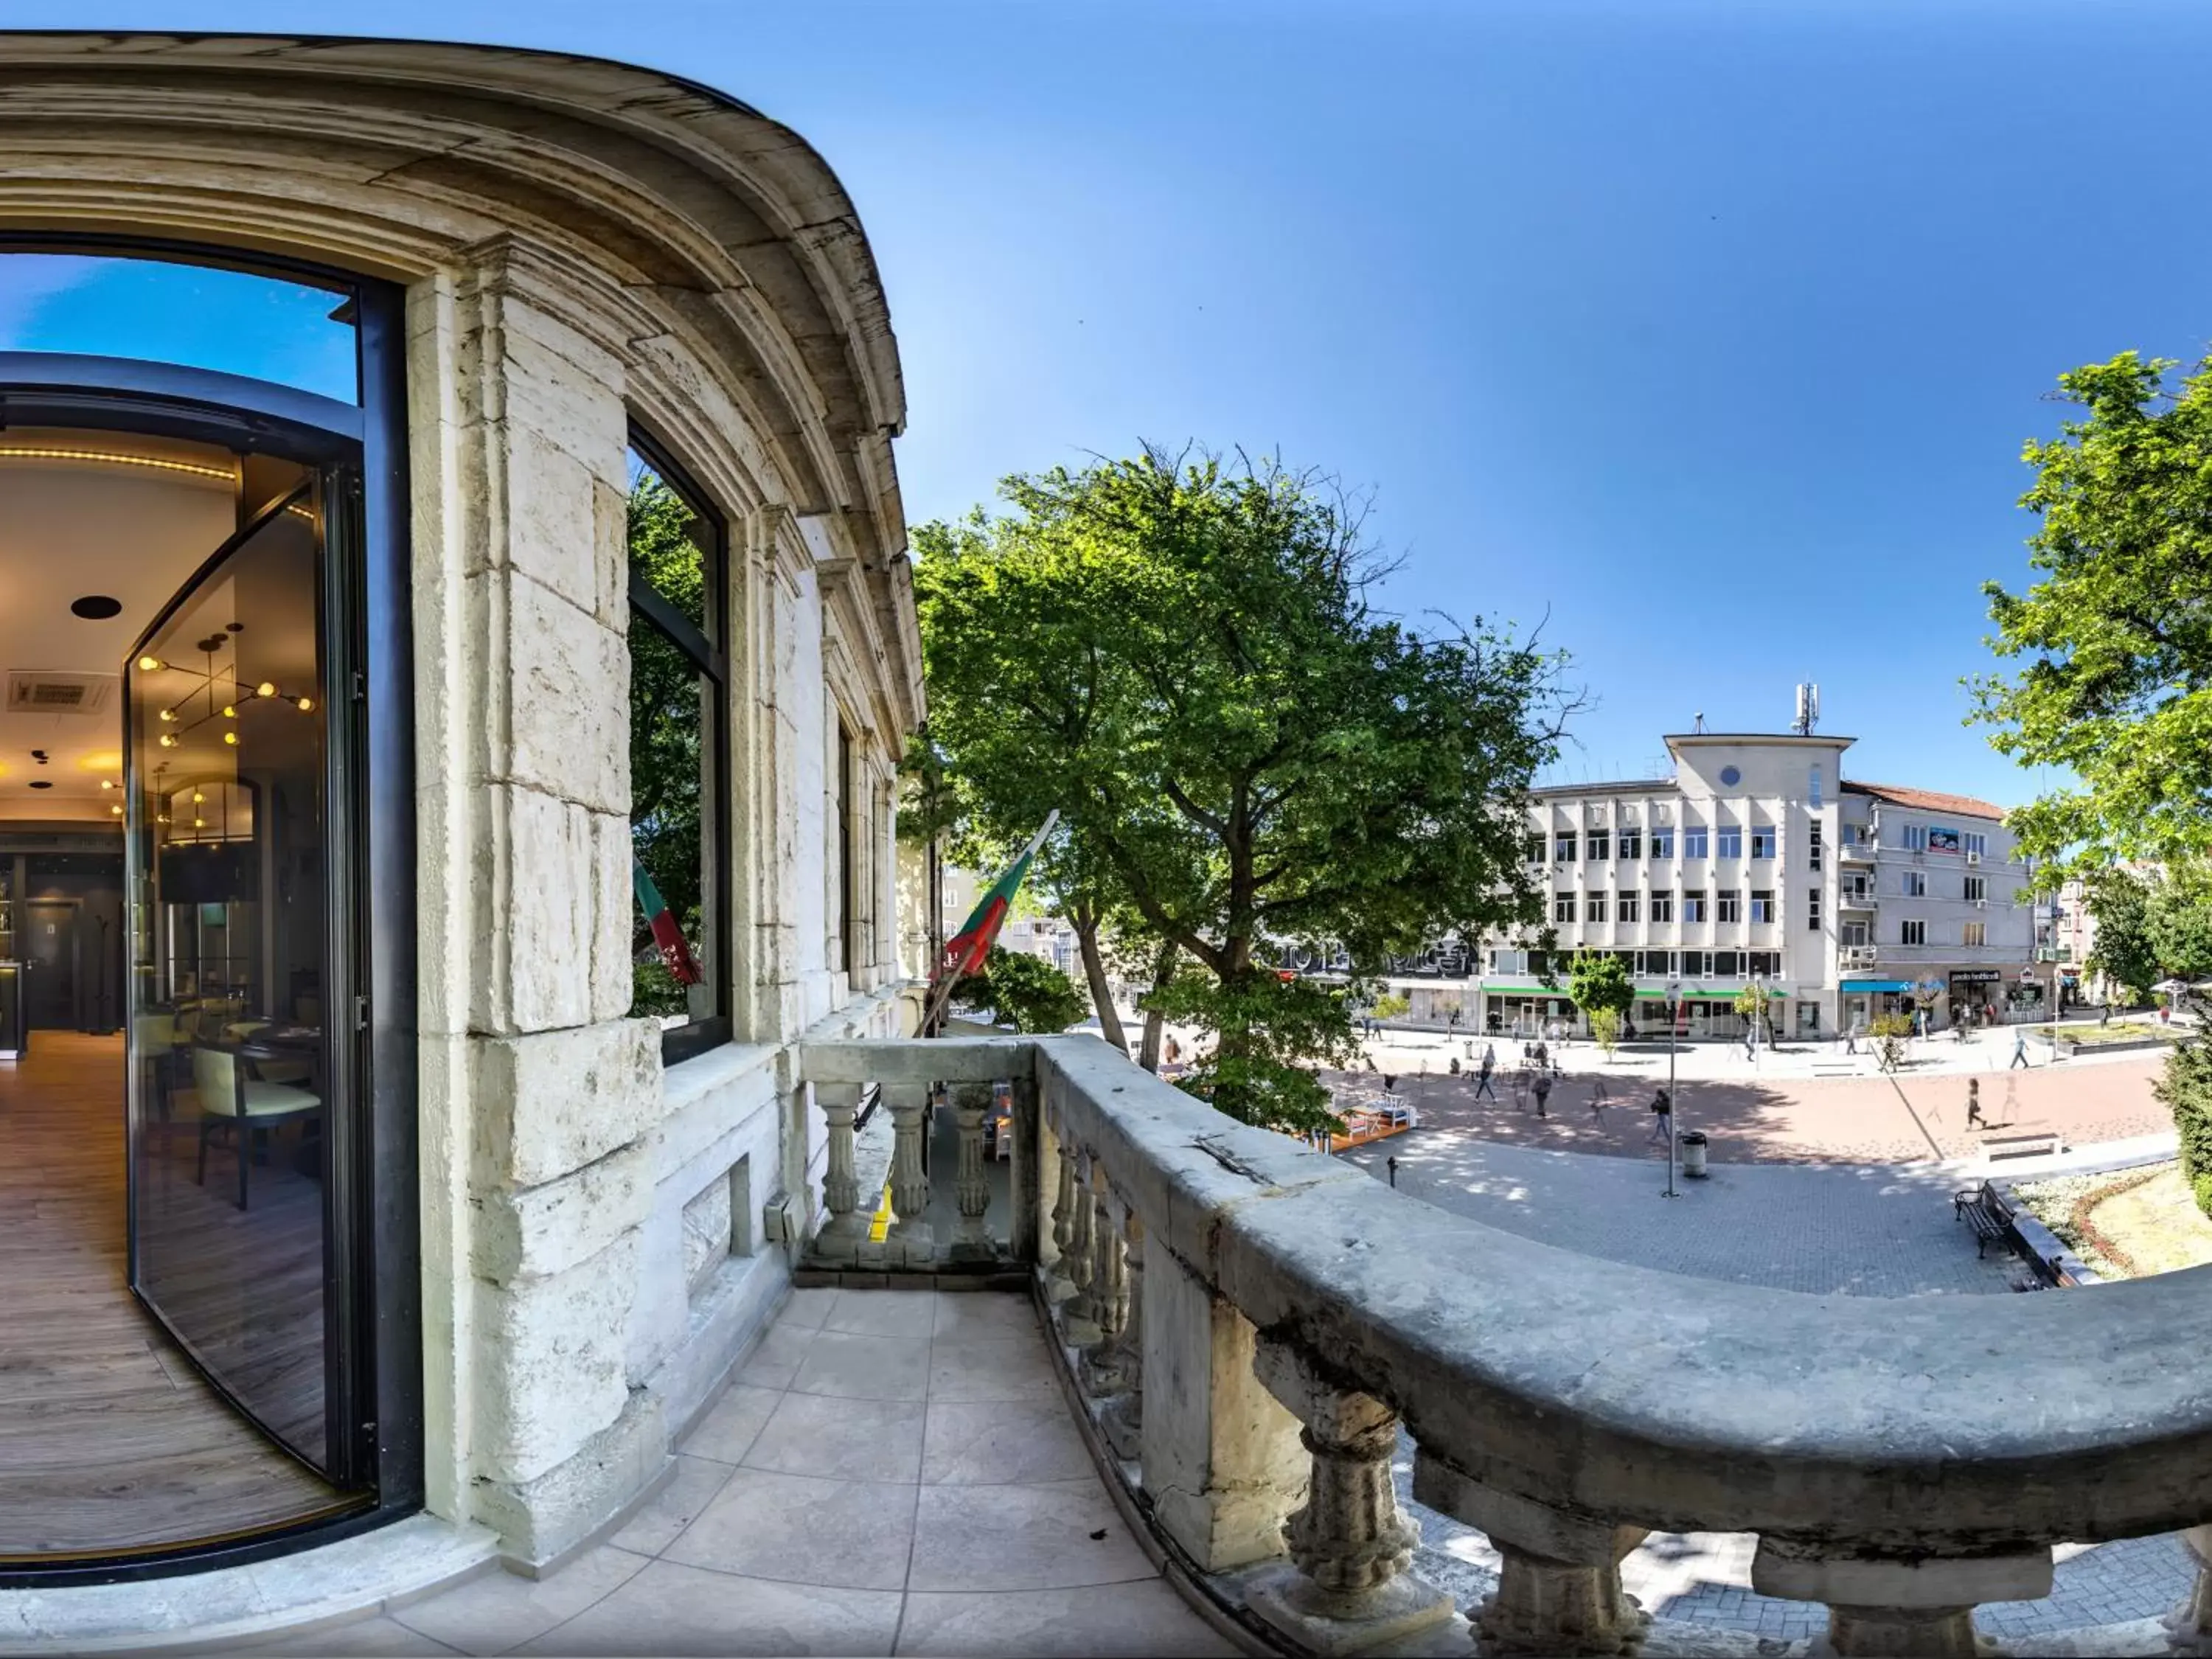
point(2026, 1140)
point(1985, 1213)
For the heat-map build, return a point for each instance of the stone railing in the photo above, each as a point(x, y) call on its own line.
point(1252, 1323)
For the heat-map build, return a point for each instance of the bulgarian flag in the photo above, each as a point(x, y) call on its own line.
point(675, 950)
point(965, 950)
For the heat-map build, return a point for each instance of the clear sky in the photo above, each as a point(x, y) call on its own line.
point(1707, 335)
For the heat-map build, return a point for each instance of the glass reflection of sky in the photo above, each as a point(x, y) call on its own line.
point(186, 314)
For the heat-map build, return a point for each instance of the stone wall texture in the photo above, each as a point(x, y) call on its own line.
point(586, 249)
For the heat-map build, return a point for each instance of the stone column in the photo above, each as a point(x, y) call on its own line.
point(1558, 1590)
point(846, 1226)
point(1886, 1607)
point(1022, 1184)
point(1221, 1460)
point(2189, 1627)
point(971, 1241)
point(1348, 1588)
point(908, 1239)
point(1060, 1284)
point(1103, 1370)
point(1122, 1421)
point(1078, 1314)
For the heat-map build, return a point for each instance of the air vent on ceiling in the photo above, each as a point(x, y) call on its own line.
point(32, 692)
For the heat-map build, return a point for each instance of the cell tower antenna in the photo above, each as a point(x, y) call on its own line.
point(1700, 726)
point(1808, 708)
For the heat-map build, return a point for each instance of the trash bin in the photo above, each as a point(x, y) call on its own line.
point(1694, 1151)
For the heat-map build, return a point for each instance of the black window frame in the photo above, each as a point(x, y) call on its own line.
point(687, 1042)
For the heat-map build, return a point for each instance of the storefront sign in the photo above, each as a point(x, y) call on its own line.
point(1976, 977)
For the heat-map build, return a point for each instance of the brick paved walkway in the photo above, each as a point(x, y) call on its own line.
point(1920, 1115)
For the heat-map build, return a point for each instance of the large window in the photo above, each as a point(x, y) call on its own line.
point(1600, 842)
point(680, 923)
point(1663, 843)
point(1593, 907)
point(1693, 841)
point(1913, 933)
point(1728, 905)
point(1564, 847)
point(1693, 905)
point(1762, 840)
point(1729, 837)
point(1630, 906)
point(1663, 906)
point(1563, 907)
point(1632, 843)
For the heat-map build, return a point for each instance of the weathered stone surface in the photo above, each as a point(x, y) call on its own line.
point(1812, 1572)
point(553, 1101)
point(553, 1363)
point(534, 1232)
point(567, 701)
point(540, 1518)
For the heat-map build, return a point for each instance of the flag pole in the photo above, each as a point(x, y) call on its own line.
point(940, 993)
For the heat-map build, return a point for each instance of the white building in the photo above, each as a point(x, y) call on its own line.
point(1758, 864)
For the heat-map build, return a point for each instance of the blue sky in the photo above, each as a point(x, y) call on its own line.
point(1705, 334)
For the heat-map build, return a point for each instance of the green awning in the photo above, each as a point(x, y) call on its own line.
point(1696, 994)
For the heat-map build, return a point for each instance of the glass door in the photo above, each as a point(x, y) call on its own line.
point(240, 1077)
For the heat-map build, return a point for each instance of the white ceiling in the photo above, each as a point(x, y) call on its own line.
point(69, 528)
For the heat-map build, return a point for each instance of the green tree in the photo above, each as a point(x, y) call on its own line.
point(1605, 1028)
point(2180, 923)
point(1025, 992)
point(1391, 1005)
point(1189, 662)
point(1599, 980)
point(2124, 952)
point(2185, 1089)
point(2117, 635)
point(666, 748)
point(1889, 1032)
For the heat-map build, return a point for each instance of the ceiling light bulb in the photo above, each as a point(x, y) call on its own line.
point(198, 798)
point(306, 704)
point(266, 689)
point(105, 784)
point(230, 738)
point(168, 740)
point(199, 823)
point(168, 713)
point(229, 713)
point(148, 664)
point(161, 818)
point(117, 809)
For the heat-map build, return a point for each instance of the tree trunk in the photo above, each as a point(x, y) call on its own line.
point(1084, 920)
point(1163, 971)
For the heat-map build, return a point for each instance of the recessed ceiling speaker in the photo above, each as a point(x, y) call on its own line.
point(40, 783)
point(96, 607)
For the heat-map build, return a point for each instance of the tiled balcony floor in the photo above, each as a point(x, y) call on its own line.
point(892, 1472)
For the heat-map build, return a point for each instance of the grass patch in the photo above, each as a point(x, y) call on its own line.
point(2127, 1225)
point(2090, 1035)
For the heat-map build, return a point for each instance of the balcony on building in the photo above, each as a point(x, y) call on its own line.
point(1249, 1334)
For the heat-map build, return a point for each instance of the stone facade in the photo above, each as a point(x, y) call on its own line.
point(585, 248)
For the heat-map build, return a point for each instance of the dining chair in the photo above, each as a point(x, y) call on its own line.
point(248, 1105)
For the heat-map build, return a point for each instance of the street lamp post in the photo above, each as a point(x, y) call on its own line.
point(1674, 1016)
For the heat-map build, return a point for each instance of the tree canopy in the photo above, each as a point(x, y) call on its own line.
point(2117, 635)
point(1187, 660)
point(1026, 991)
point(1599, 979)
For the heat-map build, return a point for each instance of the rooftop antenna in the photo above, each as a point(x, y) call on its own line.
point(1699, 727)
point(1808, 708)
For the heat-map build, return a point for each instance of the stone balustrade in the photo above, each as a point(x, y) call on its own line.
point(1250, 1324)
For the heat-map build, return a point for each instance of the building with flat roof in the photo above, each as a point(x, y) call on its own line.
point(1757, 864)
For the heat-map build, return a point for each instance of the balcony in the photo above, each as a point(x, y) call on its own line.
point(1249, 1333)
point(1856, 895)
point(1856, 851)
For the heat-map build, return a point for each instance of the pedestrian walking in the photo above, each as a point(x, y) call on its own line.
point(1974, 1119)
point(1851, 1038)
point(2105, 1015)
point(1489, 1064)
point(1600, 1097)
point(1543, 1093)
point(2019, 1047)
point(1520, 1089)
point(1663, 1119)
point(1542, 1056)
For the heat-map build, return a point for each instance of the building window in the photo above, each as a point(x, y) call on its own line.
point(1764, 964)
point(1627, 907)
point(1654, 965)
point(1916, 837)
point(845, 955)
point(1915, 932)
point(1813, 862)
point(1813, 909)
point(1916, 884)
point(1563, 907)
point(1730, 905)
point(1631, 844)
point(1593, 907)
point(1851, 933)
point(1731, 839)
point(1726, 964)
point(1762, 905)
point(1693, 841)
point(1977, 887)
point(1977, 843)
point(1535, 846)
point(1663, 843)
point(1662, 907)
point(678, 837)
point(1697, 964)
point(1813, 784)
point(1601, 845)
point(1762, 840)
point(1563, 847)
point(1977, 934)
point(1693, 905)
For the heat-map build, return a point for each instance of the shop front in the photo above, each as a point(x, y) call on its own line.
point(1862, 1001)
point(1976, 994)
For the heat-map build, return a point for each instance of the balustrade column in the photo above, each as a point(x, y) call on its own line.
point(1078, 1314)
point(971, 1242)
point(1059, 1285)
point(1122, 1421)
point(2190, 1625)
point(1104, 1368)
point(1348, 1588)
point(1890, 1608)
point(847, 1225)
point(1558, 1586)
point(1022, 1171)
point(908, 1239)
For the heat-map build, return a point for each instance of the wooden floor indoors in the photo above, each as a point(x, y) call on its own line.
point(109, 1441)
